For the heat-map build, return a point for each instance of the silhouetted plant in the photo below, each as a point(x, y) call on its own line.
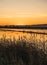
point(21, 52)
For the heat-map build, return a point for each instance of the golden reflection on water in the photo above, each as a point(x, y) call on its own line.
point(11, 34)
point(29, 37)
point(37, 39)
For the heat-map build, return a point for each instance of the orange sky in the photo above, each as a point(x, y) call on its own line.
point(23, 12)
point(23, 21)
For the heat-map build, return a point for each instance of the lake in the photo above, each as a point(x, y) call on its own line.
point(39, 39)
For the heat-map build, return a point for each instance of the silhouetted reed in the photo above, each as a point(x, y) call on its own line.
point(20, 52)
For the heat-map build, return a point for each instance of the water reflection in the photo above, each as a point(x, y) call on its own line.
point(40, 40)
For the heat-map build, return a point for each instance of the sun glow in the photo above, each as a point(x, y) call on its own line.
point(23, 20)
point(20, 23)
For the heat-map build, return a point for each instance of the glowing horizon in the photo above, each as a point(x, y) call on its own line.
point(23, 12)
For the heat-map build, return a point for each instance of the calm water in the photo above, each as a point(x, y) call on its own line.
point(38, 39)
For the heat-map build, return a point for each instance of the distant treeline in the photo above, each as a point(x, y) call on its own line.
point(25, 26)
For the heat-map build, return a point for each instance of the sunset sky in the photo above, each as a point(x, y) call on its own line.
point(23, 12)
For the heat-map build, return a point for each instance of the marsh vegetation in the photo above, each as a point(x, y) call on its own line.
point(21, 52)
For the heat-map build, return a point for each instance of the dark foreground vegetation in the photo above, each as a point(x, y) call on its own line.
point(20, 52)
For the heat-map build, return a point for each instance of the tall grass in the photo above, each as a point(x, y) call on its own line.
point(20, 52)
